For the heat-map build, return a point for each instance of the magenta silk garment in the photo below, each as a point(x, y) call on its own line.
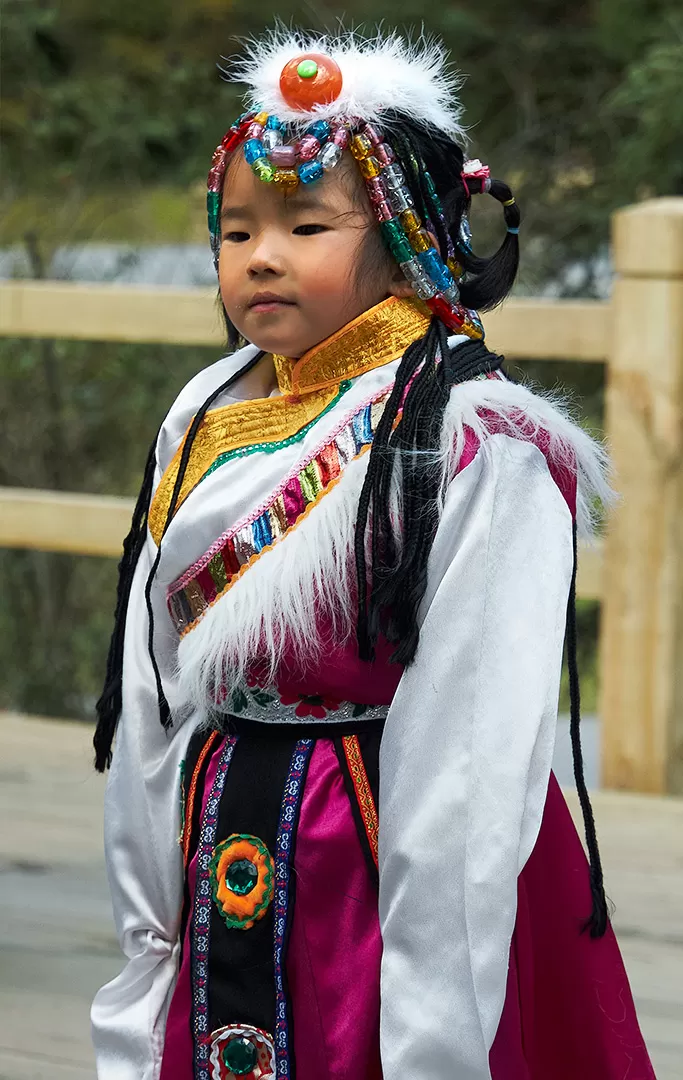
point(568, 1011)
point(335, 946)
point(569, 1004)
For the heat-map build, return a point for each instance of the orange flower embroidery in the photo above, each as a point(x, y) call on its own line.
point(242, 876)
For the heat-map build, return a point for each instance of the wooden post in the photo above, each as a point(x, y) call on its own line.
point(642, 615)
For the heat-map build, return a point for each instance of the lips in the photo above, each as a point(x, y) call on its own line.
point(268, 301)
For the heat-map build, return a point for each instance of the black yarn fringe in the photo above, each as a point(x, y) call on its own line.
point(597, 923)
point(401, 455)
point(391, 589)
point(110, 702)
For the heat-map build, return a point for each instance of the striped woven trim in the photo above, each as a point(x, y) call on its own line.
point(228, 558)
point(361, 785)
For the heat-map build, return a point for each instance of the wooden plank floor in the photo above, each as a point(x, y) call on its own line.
point(56, 939)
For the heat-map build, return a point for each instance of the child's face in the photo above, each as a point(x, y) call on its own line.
point(294, 269)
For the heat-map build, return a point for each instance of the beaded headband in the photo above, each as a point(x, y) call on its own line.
point(288, 154)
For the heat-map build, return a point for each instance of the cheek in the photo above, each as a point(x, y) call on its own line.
point(322, 278)
point(228, 273)
point(333, 268)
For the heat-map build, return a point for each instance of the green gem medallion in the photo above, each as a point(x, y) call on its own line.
point(241, 877)
point(240, 1056)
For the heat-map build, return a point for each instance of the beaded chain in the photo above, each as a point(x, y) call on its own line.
point(318, 150)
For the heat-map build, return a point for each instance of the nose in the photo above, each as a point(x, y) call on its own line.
point(265, 259)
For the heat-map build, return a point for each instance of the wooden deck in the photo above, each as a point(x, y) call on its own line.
point(57, 943)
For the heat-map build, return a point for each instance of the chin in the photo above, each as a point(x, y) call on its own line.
point(273, 344)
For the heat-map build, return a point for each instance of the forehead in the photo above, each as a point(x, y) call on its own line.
point(341, 189)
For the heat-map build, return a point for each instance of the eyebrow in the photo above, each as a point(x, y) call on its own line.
point(303, 201)
point(235, 211)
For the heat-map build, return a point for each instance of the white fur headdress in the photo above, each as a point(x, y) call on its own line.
point(380, 73)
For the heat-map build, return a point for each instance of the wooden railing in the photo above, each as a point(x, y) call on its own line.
point(636, 572)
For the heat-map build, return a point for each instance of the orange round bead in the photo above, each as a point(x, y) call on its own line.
point(311, 79)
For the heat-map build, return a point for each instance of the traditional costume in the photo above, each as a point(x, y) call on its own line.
point(325, 866)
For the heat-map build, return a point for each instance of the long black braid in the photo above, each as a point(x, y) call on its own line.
point(405, 456)
point(109, 705)
point(597, 923)
point(404, 463)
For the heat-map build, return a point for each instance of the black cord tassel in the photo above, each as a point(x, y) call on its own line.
point(108, 706)
point(164, 710)
point(404, 455)
point(597, 923)
point(110, 702)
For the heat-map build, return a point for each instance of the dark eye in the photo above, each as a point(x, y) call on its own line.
point(236, 237)
point(309, 230)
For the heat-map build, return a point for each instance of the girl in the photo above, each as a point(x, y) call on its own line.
point(334, 842)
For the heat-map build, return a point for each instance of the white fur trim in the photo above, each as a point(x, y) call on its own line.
point(516, 410)
point(380, 73)
point(274, 603)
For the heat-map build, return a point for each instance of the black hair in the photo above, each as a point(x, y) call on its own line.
point(404, 457)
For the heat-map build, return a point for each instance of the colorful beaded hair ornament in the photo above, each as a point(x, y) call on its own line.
point(309, 99)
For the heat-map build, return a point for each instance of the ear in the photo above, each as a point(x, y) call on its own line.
point(401, 288)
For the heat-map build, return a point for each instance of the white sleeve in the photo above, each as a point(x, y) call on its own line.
point(465, 762)
point(144, 864)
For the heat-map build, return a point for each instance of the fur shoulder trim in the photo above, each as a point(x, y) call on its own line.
point(494, 406)
point(273, 607)
point(384, 72)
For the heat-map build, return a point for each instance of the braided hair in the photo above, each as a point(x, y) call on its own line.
point(108, 707)
point(402, 457)
point(402, 463)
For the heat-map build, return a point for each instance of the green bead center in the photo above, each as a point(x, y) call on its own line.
point(240, 1056)
point(241, 877)
point(307, 69)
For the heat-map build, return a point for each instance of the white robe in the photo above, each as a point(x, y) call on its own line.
point(468, 742)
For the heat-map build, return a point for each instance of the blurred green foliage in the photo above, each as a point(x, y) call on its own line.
point(109, 117)
point(579, 104)
point(74, 416)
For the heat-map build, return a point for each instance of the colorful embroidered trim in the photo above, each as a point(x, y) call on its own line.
point(361, 784)
point(241, 1050)
point(242, 876)
point(232, 427)
point(201, 916)
point(189, 803)
point(266, 703)
point(283, 858)
point(280, 444)
point(209, 578)
point(182, 768)
point(375, 338)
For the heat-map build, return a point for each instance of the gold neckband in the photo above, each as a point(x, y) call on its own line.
point(308, 386)
point(374, 338)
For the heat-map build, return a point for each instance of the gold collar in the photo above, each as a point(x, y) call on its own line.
point(376, 337)
point(308, 386)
